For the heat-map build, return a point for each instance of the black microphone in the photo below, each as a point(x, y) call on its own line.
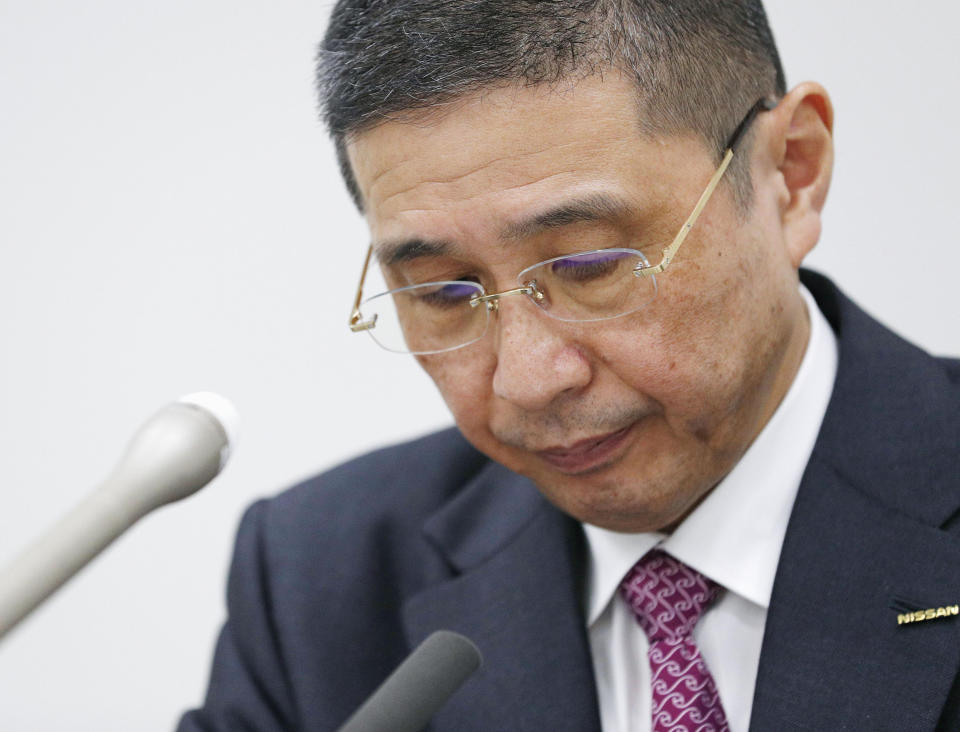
point(419, 686)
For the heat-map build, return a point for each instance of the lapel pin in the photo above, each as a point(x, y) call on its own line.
point(929, 614)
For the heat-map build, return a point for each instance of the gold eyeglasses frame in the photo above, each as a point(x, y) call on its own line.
point(358, 324)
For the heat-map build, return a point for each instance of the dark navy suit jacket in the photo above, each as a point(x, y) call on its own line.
point(336, 580)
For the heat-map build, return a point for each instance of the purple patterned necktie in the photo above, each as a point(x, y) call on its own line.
point(668, 599)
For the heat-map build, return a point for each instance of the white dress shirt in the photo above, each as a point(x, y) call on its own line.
point(733, 537)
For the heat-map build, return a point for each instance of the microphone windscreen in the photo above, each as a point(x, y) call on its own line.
point(221, 409)
point(419, 686)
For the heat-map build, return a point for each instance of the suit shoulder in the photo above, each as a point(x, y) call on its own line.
point(893, 423)
point(322, 571)
point(952, 367)
point(401, 483)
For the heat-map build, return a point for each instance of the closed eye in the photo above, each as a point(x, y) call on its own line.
point(588, 267)
point(448, 294)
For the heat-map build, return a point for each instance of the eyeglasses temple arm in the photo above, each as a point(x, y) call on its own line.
point(762, 105)
point(670, 251)
point(356, 322)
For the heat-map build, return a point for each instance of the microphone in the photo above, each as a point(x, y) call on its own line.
point(174, 454)
point(419, 686)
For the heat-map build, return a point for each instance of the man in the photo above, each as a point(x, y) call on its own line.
point(590, 217)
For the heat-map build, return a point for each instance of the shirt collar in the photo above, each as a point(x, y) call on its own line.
point(735, 535)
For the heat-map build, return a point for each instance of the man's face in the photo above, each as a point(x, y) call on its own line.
point(625, 423)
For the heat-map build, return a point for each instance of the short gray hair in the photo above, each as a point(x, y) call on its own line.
point(698, 65)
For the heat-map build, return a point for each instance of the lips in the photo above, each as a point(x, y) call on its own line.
point(588, 454)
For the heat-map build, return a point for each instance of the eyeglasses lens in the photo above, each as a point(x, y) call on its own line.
point(594, 285)
point(428, 318)
point(439, 316)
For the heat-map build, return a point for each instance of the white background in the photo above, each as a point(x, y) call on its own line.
point(171, 220)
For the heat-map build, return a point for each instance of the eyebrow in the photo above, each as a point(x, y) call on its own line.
point(396, 252)
point(594, 207)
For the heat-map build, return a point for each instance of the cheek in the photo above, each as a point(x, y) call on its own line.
point(678, 368)
point(696, 352)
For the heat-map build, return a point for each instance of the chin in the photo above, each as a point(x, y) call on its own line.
point(610, 504)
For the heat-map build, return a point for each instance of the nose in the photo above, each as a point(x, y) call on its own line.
point(537, 359)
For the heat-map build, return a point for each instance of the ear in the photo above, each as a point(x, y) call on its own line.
point(802, 144)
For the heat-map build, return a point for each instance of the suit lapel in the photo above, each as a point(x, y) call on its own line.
point(517, 596)
point(834, 656)
point(865, 541)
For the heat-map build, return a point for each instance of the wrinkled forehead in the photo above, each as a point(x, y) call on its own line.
point(504, 136)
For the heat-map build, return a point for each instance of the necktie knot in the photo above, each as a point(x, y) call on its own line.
point(667, 596)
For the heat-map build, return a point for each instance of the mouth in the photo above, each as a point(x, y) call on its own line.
point(586, 455)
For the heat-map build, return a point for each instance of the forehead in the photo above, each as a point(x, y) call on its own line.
point(503, 152)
